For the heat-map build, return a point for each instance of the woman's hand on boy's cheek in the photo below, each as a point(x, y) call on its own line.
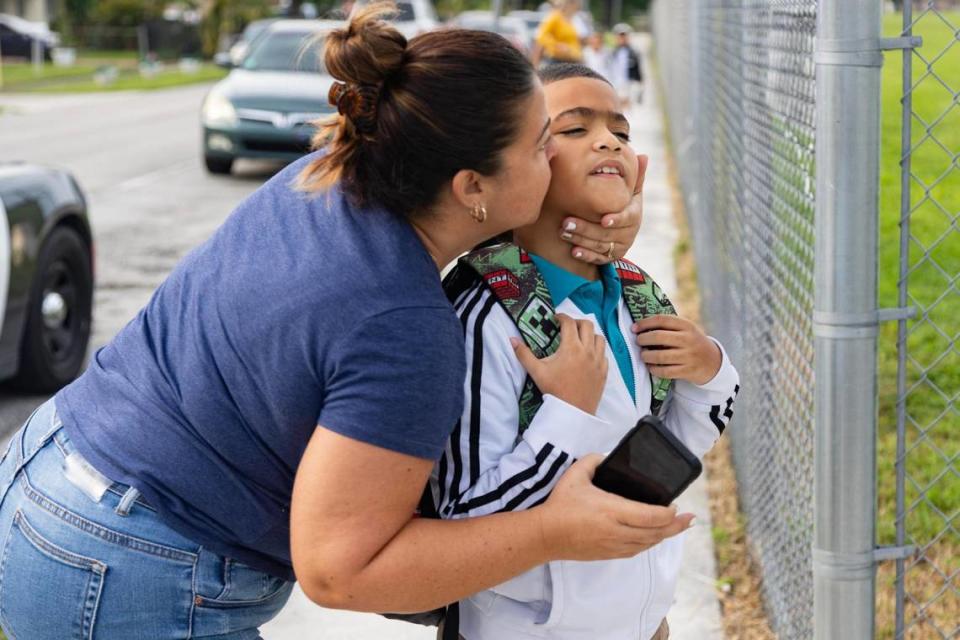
point(675, 348)
point(591, 241)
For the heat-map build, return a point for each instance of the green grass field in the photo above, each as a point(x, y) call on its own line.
point(933, 287)
point(933, 370)
point(79, 78)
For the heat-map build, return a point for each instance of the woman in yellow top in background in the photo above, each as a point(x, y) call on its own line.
point(557, 39)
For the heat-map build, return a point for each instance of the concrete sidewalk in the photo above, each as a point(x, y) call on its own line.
point(695, 614)
point(696, 611)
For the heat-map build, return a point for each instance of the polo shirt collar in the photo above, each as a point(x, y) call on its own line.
point(561, 283)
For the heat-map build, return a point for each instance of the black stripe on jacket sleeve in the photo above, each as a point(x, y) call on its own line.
point(530, 472)
point(476, 379)
point(532, 491)
point(456, 462)
point(721, 422)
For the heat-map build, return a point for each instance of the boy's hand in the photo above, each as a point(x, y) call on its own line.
point(591, 241)
point(577, 372)
point(676, 348)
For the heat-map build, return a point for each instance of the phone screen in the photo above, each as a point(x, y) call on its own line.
point(650, 465)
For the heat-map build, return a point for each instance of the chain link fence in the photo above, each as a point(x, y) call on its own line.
point(740, 91)
point(926, 201)
point(739, 85)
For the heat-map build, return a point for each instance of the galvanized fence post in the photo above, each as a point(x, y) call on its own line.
point(848, 60)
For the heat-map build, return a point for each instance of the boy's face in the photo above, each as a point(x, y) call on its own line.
point(595, 169)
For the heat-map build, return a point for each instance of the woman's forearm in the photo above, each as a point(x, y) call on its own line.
point(431, 563)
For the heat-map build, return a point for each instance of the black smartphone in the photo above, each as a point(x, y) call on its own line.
point(649, 465)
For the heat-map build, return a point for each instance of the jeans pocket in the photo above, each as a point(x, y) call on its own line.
point(240, 585)
point(31, 561)
point(275, 596)
point(232, 599)
point(243, 582)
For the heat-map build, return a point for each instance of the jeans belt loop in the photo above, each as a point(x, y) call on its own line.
point(126, 502)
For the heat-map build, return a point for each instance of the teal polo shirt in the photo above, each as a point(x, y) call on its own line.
point(599, 297)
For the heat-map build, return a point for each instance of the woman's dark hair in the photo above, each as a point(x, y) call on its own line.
point(411, 115)
point(565, 70)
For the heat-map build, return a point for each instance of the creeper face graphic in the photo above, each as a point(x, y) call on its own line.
point(537, 323)
point(661, 296)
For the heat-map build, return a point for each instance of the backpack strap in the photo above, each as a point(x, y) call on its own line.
point(514, 279)
point(645, 298)
point(511, 276)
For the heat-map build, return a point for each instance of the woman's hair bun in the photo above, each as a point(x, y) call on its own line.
point(456, 93)
point(368, 49)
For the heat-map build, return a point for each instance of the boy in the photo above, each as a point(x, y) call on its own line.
point(625, 66)
point(596, 55)
point(492, 465)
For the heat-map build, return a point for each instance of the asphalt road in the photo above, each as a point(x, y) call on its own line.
point(137, 157)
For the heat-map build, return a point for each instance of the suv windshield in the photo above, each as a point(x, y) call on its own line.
point(285, 51)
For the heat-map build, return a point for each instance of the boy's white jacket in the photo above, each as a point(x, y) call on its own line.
point(487, 469)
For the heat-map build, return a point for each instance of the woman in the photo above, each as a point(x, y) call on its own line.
point(276, 408)
point(558, 39)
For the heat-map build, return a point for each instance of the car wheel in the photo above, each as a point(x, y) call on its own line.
point(219, 166)
point(58, 318)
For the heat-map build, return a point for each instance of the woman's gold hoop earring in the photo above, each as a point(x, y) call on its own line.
point(479, 212)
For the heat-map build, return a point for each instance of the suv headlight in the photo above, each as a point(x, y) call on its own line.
point(218, 111)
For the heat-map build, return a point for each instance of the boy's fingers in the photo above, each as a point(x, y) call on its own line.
point(658, 337)
point(585, 331)
point(674, 323)
point(524, 355)
point(599, 344)
point(568, 328)
point(663, 357)
point(671, 372)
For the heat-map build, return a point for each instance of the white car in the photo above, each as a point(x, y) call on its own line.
point(512, 28)
point(18, 37)
point(413, 16)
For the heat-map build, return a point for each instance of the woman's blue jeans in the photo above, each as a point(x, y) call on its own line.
point(75, 564)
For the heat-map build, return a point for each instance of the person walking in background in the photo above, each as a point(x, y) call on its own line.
point(558, 39)
point(596, 55)
point(625, 68)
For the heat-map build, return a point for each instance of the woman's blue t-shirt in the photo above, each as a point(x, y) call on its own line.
point(298, 311)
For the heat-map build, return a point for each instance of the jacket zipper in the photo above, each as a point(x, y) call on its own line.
point(633, 368)
point(646, 605)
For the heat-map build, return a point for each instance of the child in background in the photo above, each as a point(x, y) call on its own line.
point(625, 67)
point(596, 55)
point(491, 465)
